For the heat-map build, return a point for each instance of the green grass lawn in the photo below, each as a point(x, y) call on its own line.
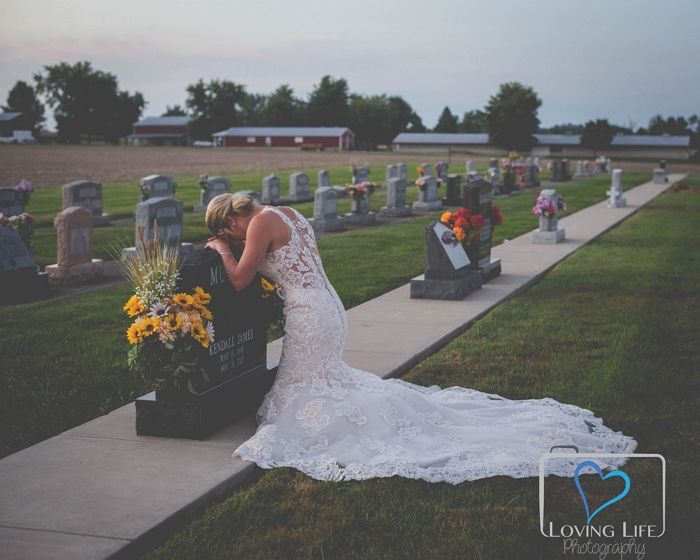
point(64, 360)
point(613, 329)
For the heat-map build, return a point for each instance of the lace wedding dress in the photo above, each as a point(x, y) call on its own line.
point(335, 422)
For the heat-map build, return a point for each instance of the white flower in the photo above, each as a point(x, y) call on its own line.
point(158, 309)
point(210, 331)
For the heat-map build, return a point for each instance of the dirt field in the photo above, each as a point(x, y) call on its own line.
point(55, 165)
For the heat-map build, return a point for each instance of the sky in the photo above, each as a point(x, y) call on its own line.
point(624, 60)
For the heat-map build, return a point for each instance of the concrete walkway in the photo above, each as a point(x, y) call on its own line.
point(99, 490)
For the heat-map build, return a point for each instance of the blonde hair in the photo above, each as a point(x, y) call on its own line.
point(226, 204)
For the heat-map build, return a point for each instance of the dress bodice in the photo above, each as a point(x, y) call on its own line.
point(296, 264)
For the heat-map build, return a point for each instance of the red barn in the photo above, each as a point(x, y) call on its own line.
point(305, 137)
point(162, 130)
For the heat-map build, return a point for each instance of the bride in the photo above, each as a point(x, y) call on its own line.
point(335, 422)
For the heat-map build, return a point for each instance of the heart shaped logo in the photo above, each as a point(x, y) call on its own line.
point(611, 474)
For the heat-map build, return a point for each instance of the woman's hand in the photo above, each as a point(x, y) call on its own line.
point(218, 245)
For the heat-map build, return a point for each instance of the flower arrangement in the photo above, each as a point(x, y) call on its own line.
point(465, 227)
point(420, 171)
point(441, 168)
point(169, 326)
point(361, 190)
point(23, 224)
point(544, 206)
point(25, 187)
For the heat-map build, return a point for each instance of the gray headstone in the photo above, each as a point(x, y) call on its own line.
point(326, 210)
point(252, 194)
point(427, 196)
point(361, 174)
point(167, 212)
point(392, 172)
point(85, 194)
point(427, 169)
point(403, 172)
point(299, 186)
point(271, 190)
point(11, 202)
point(396, 199)
point(157, 186)
point(213, 186)
point(470, 167)
point(549, 231)
point(324, 179)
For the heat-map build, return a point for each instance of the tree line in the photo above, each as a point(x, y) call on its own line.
point(87, 103)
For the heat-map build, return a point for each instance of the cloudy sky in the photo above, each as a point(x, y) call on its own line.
point(625, 60)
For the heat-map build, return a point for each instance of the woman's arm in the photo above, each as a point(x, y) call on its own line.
point(241, 273)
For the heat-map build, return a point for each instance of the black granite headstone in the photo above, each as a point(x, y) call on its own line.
point(452, 191)
point(448, 274)
point(478, 197)
point(236, 361)
point(20, 280)
point(11, 202)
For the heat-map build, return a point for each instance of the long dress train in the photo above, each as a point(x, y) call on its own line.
point(335, 422)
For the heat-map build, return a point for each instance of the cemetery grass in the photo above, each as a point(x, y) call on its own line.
point(613, 329)
point(65, 359)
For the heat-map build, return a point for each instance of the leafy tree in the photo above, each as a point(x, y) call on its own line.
point(512, 116)
point(174, 111)
point(252, 106)
point(677, 126)
point(565, 128)
point(377, 119)
point(282, 108)
point(88, 102)
point(474, 121)
point(597, 135)
point(447, 122)
point(22, 99)
point(328, 103)
point(214, 106)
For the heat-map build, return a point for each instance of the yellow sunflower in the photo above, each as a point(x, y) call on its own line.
point(133, 334)
point(148, 326)
point(199, 333)
point(206, 314)
point(183, 300)
point(201, 297)
point(173, 322)
point(134, 306)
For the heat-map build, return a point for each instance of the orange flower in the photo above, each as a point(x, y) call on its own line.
point(459, 233)
point(446, 216)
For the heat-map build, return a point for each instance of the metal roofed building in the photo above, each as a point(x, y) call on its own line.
point(319, 137)
point(160, 131)
point(13, 121)
point(565, 145)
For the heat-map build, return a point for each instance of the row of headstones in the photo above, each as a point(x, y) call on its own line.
point(586, 168)
point(452, 272)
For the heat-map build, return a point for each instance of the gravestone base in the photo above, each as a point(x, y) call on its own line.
point(549, 237)
point(360, 219)
point(327, 225)
point(100, 221)
point(426, 206)
point(341, 191)
point(23, 285)
point(76, 274)
point(620, 202)
point(491, 270)
point(660, 176)
point(298, 198)
point(455, 201)
point(184, 415)
point(396, 212)
point(456, 288)
point(186, 249)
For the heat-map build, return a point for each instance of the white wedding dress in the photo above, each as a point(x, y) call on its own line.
point(335, 422)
